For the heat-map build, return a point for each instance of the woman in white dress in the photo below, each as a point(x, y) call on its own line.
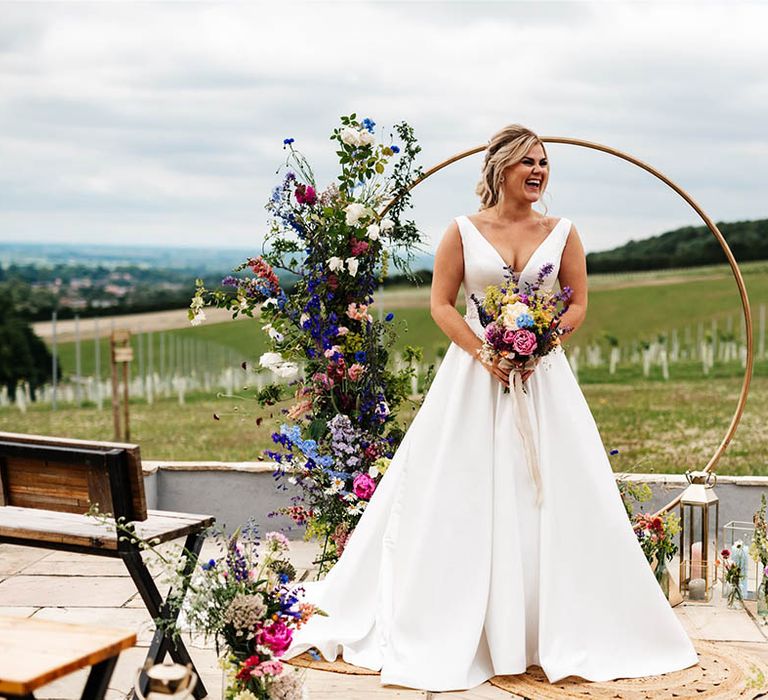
point(455, 572)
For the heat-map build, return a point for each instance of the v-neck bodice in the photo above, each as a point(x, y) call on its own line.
point(483, 264)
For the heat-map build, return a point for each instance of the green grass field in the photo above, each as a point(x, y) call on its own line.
point(630, 307)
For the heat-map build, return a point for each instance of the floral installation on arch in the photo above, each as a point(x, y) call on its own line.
point(336, 440)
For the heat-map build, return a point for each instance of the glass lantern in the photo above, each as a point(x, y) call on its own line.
point(699, 524)
point(736, 530)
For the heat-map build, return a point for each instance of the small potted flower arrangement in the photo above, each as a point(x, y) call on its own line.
point(656, 534)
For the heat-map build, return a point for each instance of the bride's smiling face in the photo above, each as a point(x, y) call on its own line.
point(527, 179)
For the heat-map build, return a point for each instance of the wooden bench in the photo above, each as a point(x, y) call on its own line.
point(47, 484)
point(26, 664)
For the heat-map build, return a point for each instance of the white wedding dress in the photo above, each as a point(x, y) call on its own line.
point(454, 575)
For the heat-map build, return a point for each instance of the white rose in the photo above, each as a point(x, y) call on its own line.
point(350, 136)
point(372, 232)
point(366, 138)
point(352, 264)
point(335, 263)
point(354, 212)
point(387, 224)
point(269, 359)
point(287, 370)
point(510, 312)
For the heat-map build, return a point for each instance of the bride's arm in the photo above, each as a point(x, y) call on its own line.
point(446, 280)
point(573, 273)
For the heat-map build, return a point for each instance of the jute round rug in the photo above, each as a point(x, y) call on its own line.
point(723, 673)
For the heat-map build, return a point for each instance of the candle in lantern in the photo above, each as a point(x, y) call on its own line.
point(696, 571)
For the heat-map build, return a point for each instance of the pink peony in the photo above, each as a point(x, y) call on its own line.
point(524, 342)
point(363, 486)
point(356, 371)
point(277, 636)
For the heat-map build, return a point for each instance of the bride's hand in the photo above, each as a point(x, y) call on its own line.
point(501, 373)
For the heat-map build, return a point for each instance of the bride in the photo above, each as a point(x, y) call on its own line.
point(466, 562)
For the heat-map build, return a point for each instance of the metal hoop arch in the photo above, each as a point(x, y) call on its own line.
point(709, 224)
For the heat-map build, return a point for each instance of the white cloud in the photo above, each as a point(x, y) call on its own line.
point(135, 121)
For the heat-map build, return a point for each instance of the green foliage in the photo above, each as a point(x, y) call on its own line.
point(23, 355)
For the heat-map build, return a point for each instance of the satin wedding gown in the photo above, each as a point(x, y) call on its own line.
point(454, 574)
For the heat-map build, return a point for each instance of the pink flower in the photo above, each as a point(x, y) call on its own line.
point(524, 342)
point(276, 636)
point(490, 332)
point(358, 312)
point(323, 380)
point(305, 194)
point(363, 486)
point(358, 247)
point(342, 330)
point(356, 371)
point(509, 336)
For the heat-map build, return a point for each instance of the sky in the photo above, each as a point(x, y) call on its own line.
point(162, 123)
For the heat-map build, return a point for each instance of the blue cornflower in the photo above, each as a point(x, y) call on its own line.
point(210, 564)
point(360, 356)
point(524, 320)
point(287, 141)
point(395, 149)
point(389, 316)
point(368, 124)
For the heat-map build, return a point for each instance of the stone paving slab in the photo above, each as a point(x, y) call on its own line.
point(14, 559)
point(66, 591)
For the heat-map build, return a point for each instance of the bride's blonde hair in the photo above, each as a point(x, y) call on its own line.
point(506, 147)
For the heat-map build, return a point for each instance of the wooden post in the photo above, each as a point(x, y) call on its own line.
point(121, 353)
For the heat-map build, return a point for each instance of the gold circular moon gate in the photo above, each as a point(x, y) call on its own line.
point(710, 225)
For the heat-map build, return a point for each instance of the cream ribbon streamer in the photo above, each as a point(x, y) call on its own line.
point(523, 421)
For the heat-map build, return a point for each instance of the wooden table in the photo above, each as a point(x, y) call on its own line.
point(36, 652)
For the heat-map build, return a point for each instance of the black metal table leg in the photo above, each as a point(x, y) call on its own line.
point(98, 679)
point(162, 641)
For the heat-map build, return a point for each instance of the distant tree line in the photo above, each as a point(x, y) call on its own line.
point(23, 355)
point(689, 246)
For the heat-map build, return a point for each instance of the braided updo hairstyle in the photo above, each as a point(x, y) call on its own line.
point(506, 147)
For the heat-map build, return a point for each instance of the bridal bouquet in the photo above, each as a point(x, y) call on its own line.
point(522, 325)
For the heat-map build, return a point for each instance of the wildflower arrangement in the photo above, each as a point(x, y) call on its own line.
point(758, 548)
point(522, 325)
point(656, 535)
point(734, 573)
point(338, 436)
point(243, 599)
